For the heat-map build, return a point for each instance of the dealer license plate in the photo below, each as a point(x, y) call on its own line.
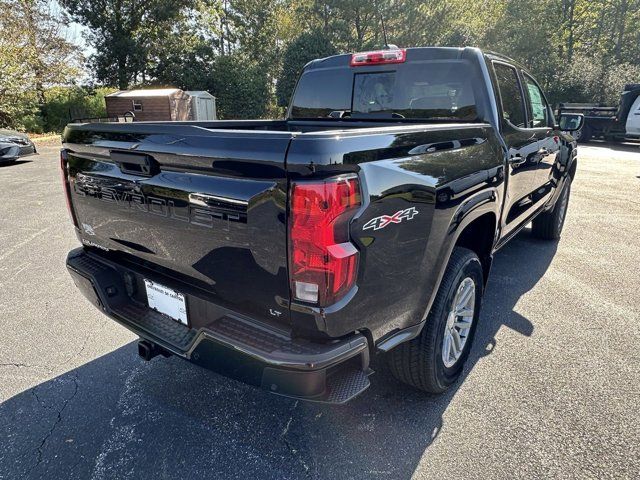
point(167, 301)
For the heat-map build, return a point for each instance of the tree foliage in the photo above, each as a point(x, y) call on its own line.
point(34, 54)
point(249, 52)
point(298, 53)
point(123, 32)
point(63, 104)
point(242, 89)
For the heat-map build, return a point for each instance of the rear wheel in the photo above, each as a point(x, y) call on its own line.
point(548, 225)
point(434, 360)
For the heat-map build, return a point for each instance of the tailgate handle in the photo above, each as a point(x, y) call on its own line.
point(135, 163)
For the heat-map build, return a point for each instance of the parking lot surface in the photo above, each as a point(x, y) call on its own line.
point(551, 390)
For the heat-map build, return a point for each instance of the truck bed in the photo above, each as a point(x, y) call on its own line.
point(212, 209)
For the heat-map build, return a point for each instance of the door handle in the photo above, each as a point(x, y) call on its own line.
point(516, 160)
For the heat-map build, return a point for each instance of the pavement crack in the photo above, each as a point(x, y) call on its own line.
point(24, 365)
point(79, 352)
point(40, 449)
point(85, 342)
point(294, 451)
point(40, 402)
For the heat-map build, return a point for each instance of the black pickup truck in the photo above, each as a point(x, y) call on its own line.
point(286, 253)
point(614, 124)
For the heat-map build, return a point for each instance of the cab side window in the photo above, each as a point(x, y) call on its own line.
point(510, 94)
point(537, 105)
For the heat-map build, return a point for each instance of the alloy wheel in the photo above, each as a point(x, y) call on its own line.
point(459, 322)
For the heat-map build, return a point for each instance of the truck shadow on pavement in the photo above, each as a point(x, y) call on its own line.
point(119, 417)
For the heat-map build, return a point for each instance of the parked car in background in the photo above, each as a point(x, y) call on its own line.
point(14, 145)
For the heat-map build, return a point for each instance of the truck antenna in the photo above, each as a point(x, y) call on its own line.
point(384, 28)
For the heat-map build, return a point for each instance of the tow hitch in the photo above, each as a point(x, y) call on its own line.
point(148, 350)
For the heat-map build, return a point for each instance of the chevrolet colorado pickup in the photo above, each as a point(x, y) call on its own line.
point(286, 253)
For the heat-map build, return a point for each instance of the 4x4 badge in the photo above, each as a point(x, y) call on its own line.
point(384, 220)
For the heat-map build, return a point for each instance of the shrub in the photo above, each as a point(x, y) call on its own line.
point(241, 88)
point(64, 104)
point(307, 47)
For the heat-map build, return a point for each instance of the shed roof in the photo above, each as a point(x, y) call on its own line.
point(151, 92)
point(199, 93)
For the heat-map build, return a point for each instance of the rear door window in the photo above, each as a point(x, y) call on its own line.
point(510, 95)
point(537, 104)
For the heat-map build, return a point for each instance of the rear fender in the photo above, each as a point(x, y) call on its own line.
point(484, 202)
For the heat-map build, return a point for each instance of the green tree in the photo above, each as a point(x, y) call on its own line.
point(298, 53)
point(122, 32)
point(578, 49)
point(64, 104)
point(242, 89)
point(34, 53)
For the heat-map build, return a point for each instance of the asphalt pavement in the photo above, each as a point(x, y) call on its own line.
point(552, 388)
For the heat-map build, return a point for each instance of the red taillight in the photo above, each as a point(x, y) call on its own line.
point(379, 57)
point(323, 263)
point(66, 186)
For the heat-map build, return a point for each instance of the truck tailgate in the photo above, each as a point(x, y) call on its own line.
point(207, 208)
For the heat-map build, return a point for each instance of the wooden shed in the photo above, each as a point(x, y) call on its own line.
point(154, 104)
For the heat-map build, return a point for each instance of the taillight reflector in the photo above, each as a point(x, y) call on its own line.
point(323, 263)
point(379, 57)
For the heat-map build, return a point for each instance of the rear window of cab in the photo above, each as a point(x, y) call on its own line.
point(430, 90)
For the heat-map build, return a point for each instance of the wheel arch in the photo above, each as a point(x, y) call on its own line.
point(479, 237)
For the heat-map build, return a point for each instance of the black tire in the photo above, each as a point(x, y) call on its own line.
point(419, 362)
point(548, 225)
point(584, 134)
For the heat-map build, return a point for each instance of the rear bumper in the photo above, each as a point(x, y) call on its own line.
point(233, 345)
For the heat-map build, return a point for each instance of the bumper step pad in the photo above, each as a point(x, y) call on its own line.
point(159, 325)
point(345, 384)
point(143, 320)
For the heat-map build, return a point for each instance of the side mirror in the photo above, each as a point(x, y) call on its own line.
point(570, 122)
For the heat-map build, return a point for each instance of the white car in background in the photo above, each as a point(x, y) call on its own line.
point(633, 120)
point(14, 145)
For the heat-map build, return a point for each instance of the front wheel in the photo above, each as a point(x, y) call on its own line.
point(434, 360)
point(548, 225)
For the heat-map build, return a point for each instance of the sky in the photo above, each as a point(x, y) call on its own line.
point(75, 33)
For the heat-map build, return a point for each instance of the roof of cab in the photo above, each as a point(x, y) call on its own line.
point(413, 53)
